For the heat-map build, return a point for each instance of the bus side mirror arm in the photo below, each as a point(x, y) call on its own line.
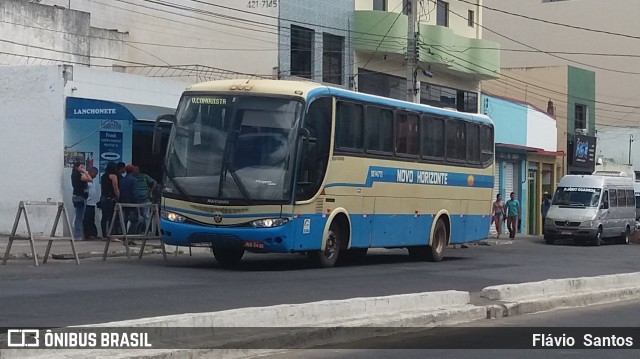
point(157, 132)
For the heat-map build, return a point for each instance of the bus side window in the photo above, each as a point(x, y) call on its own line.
point(315, 155)
point(350, 127)
point(455, 140)
point(486, 144)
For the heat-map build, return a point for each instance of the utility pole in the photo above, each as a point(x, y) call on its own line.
point(412, 55)
point(630, 141)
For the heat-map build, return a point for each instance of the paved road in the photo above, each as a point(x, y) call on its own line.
point(61, 293)
point(624, 314)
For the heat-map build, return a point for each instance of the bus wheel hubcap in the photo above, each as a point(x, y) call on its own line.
point(332, 244)
point(439, 241)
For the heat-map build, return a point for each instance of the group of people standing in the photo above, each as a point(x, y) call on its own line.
point(120, 183)
point(512, 212)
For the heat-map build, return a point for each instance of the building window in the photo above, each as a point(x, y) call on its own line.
point(442, 17)
point(380, 5)
point(332, 58)
point(581, 117)
point(301, 51)
point(377, 83)
point(471, 19)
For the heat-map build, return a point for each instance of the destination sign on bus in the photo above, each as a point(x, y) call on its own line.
point(580, 189)
point(422, 177)
point(209, 101)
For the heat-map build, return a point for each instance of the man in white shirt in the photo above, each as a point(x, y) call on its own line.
point(89, 221)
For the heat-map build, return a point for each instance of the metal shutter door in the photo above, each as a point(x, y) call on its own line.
point(508, 180)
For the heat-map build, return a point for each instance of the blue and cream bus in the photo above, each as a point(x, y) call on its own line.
point(297, 167)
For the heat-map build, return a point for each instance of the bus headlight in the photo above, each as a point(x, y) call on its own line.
point(269, 222)
point(173, 217)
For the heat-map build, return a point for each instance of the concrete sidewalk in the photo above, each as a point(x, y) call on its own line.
point(21, 249)
point(95, 248)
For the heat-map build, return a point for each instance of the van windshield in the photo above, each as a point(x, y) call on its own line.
point(577, 197)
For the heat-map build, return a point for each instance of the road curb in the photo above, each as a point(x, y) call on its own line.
point(534, 297)
point(310, 324)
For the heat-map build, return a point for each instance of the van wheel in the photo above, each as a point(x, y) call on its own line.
point(435, 251)
point(598, 239)
point(549, 240)
point(626, 236)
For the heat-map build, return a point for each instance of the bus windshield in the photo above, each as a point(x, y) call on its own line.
point(577, 196)
point(233, 148)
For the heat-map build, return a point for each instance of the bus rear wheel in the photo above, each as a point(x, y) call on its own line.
point(228, 257)
point(328, 257)
point(435, 251)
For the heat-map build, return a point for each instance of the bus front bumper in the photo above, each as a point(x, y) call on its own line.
point(277, 239)
point(578, 232)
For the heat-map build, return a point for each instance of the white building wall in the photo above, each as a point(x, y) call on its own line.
point(458, 12)
point(28, 29)
point(243, 40)
point(122, 87)
point(541, 130)
point(32, 103)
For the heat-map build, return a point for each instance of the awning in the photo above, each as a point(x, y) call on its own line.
point(530, 150)
point(145, 112)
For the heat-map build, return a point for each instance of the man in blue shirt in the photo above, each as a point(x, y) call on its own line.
point(128, 186)
point(513, 214)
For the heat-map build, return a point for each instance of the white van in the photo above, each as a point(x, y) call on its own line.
point(636, 188)
point(592, 208)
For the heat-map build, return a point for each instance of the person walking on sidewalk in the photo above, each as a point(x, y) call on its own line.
point(128, 186)
point(513, 215)
point(79, 179)
point(109, 195)
point(89, 222)
point(145, 185)
point(498, 214)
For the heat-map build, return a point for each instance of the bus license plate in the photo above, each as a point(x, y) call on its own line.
point(254, 244)
point(565, 233)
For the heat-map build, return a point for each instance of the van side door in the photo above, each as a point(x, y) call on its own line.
point(604, 213)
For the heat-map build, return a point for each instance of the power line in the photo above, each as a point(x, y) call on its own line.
point(493, 71)
point(546, 52)
point(553, 22)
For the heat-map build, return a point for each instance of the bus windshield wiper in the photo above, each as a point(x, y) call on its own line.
point(177, 187)
point(229, 168)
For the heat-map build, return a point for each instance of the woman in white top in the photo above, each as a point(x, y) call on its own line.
point(498, 214)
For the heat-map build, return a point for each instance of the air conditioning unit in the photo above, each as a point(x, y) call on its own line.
point(581, 131)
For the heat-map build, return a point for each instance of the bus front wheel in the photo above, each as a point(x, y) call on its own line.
point(435, 251)
point(228, 257)
point(328, 257)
